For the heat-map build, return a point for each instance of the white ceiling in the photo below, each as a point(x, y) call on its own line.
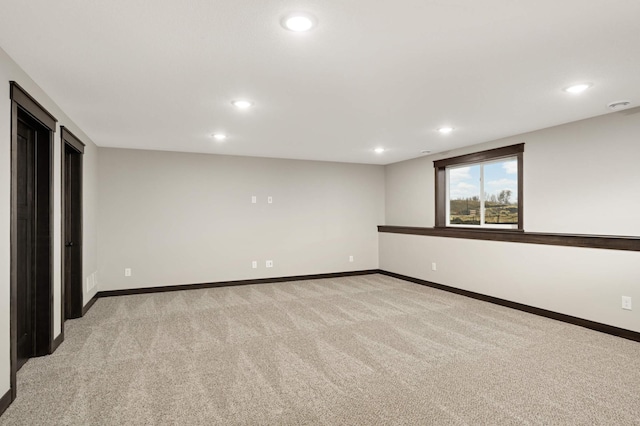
point(160, 74)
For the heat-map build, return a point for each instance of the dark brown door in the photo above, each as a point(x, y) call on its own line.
point(73, 232)
point(31, 278)
point(26, 285)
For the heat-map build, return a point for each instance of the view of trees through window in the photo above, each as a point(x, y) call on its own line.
point(484, 194)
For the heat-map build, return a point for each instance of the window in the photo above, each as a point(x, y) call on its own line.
point(480, 190)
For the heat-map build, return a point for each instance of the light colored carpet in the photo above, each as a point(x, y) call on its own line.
point(359, 350)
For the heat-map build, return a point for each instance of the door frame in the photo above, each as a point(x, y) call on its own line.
point(23, 103)
point(76, 297)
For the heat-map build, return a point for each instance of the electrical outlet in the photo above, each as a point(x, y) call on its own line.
point(433, 266)
point(269, 263)
point(254, 199)
point(270, 199)
point(350, 258)
point(254, 264)
point(127, 272)
point(626, 303)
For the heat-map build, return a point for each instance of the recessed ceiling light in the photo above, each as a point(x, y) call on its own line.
point(445, 130)
point(578, 88)
point(219, 136)
point(379, 150)
point(298, 22)
point(242, 104)
point(619, 104)
point(425, 151)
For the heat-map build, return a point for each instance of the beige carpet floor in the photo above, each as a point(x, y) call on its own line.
point(350, 351)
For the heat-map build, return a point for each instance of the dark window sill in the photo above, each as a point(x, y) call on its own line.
point(476, 229)
point(519, 236)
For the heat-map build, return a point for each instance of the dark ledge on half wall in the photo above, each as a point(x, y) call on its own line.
point(571, 240)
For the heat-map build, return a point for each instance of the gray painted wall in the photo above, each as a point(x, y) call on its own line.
point(177, 218)
point(579, 178)
point(9, 71)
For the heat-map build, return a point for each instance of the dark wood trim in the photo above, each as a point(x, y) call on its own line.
point(131, 291)
point(72, 140)
point(441, 196)
point(13, 319)
point(23, 103)
point(33, 107)
point(63, 293)
point(476, 157)
point(597, 326)
point(49, 250)
point(76, 310)
point(5, 401)
point(515, 236)
point(490, 154)
point(521, 189)
point(89, 304)
point(57, 341)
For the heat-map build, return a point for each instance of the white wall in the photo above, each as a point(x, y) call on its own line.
point(176, 218)
point(579, 178)
point(89, 220)
point(9, 71)
point(572, 175)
